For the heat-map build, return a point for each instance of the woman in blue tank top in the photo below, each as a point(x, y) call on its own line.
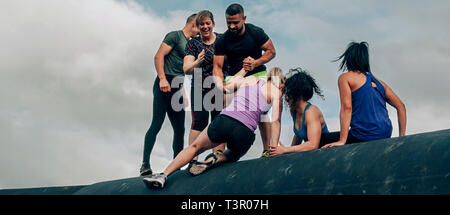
point(309, 124)
point(363, 115)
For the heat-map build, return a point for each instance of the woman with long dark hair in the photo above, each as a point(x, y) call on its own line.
point(310, 128)
point(363, 115)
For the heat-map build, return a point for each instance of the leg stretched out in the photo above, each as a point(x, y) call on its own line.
point(201, 144)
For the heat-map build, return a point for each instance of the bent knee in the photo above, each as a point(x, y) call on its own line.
point(194, 146)
point(197, 146)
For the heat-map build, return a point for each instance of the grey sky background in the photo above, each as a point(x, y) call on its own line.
point(76, 76)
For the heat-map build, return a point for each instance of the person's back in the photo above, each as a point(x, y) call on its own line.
point(250, 101)
point(370, 118)
point(363, 114)
point(300, 129)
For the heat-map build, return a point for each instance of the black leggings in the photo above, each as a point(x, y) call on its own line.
point(239, 138)
point(161, 106)
point(200, 115)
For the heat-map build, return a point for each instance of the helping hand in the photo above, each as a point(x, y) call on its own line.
point(249, 64)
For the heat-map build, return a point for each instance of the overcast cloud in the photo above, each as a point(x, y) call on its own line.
point(76, 76)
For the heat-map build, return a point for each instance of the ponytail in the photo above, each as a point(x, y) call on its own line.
point(276, 76)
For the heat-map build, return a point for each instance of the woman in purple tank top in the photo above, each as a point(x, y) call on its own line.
point(363, 115)
point(235, 125)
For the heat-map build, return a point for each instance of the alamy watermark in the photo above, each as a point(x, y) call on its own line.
point(213, 99)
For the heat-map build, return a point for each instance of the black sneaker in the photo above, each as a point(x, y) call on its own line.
point(218, 152)
point(210, 156)
point(265, 154)
point(198, 168)
point(145, 169)
point(155, 181)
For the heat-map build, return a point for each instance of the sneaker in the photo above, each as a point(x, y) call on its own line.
point(155, 181)
point(218, 152)
point(265, 154)
point(198, 168)
point(145, 169)
point(212, 156)
point(190, 163)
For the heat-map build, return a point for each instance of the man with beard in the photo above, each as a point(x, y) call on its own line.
point(245, 46)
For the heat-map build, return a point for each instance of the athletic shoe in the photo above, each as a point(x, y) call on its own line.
point(155, 181)
point(212, 156)
point(190, 163)
point(145, 169)
point(198, 168)
point(265, 154)
point(218, 152)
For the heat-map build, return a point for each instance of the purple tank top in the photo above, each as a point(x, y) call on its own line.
point(248, 105)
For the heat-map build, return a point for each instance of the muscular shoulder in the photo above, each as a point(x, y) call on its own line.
point(172, 34)
point(257, 33)
point(313, 113)
point(219, 45)
point(171, 38)
point(347, 78)
point(344, 77)
point(253, 27)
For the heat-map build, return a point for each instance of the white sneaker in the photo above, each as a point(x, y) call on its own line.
point(155, 181)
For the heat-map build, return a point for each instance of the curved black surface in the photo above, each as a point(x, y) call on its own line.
point(67, 190)
point(415, 164)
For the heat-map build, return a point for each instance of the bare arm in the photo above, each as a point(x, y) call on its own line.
point(218, 71)
point(312, 122)
point(235, 82)
point(189, 62)
point(395, 102)
point(277, 107)
point(345, 94)
point(269, 54)
point(163, 50)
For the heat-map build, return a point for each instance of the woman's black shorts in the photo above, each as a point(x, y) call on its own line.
point(200, 117)
point(239, 138)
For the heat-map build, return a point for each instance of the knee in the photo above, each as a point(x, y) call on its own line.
point(155, 126)
point(194, 146)
point(198, 147)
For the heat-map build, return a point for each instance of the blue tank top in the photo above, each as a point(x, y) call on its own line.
point(370, 119)
point(302, 133)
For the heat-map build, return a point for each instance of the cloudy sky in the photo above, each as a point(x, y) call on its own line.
point(76, 75)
